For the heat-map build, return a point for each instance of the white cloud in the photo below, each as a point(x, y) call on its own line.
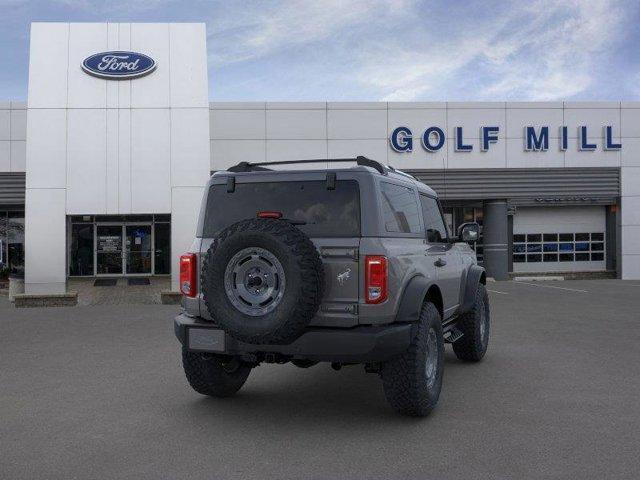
point(545, 51)
point(259, 29)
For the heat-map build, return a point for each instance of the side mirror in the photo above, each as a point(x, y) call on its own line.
point(469, 232)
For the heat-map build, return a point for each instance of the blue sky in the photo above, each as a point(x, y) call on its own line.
point(378, 49)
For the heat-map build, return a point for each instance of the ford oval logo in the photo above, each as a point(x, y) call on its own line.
point(118, 65)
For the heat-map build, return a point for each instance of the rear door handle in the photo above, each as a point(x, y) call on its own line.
point(440, 262)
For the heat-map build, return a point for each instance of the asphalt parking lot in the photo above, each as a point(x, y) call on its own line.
point(98, 392)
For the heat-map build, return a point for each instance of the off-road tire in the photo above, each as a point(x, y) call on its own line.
point(214, 375)
point(303, 288)
point(404, 378)
point(474, 342)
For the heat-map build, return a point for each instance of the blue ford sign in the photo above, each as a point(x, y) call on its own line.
point(118, 65)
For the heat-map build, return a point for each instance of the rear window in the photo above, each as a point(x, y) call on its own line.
point(322, 212)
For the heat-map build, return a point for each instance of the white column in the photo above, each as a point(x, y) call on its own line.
point(45, 241)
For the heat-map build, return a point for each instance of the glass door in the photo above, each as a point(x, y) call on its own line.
point(139, 249)
point(109, 249)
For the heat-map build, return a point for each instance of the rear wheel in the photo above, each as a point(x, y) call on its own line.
point(475, 326)
point(214, 375)
point(412, 381)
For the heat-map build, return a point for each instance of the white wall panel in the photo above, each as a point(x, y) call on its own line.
point(189, 147)
point(419, 158)
point(150, 161)
point(152, 91)
point(86, 161)
point(418, 120)
point(188, 54)
point(5, 124)
point(630, 181)
point(630, 211)
point(495, 157)
point(297, 150)
point(185, 205)
point(518, 118)
point(111, 162)
point(472, 119)
point(374, 149)
point(237, 124)
point(592, 118)
point(5, 156)
point(296, 124)
point(225, 153)
point(18, 124)
point(517, 157)
point(18, 156)
point(124, 161)
point(598, 158)
point(630, 120)
point(113, 43)
point(86, 91)
point(630, 153)
point(124, 86)
point(47, 148)
point(45, 241)
point(48, 62)
point(356, 124)
point(630, 268)
point(631, 240)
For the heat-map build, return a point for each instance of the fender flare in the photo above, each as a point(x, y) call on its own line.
point(475, 276)
point(412, 299)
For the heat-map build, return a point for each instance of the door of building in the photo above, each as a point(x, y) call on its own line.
point(138, 249)
point(124, 249)
point(108, 253)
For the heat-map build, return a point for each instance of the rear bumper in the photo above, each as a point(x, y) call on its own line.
point(360, 344)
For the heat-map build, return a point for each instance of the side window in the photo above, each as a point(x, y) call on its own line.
point(400, 209)
point(433, 222)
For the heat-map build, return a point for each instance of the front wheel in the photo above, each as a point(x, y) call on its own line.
point(214, 375)
point(475, 326)
point(412, 381)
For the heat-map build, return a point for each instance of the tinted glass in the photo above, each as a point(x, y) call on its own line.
point(81, 251)
point(163, 248)
point(400, 209)
point(321, 212)
point(436, 231)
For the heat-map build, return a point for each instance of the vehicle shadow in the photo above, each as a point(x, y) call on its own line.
point(284, 394)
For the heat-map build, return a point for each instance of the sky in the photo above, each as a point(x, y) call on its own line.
point(377, 50)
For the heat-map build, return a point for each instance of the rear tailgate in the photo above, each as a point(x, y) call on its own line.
point(341, 282)
point(329, 216)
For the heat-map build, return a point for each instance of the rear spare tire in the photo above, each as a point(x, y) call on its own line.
point(262, 281)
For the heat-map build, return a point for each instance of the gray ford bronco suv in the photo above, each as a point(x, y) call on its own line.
point(349, 265)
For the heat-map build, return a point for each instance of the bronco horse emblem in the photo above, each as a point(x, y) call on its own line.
point(343, 276)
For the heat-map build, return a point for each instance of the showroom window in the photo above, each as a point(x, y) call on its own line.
point(11, 242)
point(558, 247)
point(115, 245)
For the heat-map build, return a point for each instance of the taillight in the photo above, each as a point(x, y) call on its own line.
point(268, 214)
point(375, 283)
point(188, 271)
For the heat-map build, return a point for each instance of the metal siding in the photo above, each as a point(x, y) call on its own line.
point(12, 189)
point(526, 184)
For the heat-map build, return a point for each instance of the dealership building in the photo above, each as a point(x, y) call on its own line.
point(102, 169)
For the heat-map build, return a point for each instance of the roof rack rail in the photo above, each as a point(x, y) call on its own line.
point(260, 166)
point(400, 172)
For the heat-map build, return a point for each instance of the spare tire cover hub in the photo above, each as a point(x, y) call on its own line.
point(254, 281)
